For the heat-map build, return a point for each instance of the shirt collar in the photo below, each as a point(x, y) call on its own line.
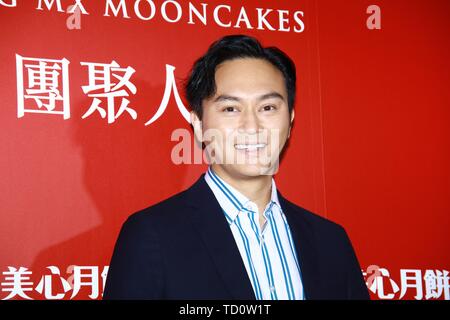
point(232, 201)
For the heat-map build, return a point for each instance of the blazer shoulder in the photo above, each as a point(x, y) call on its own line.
point(173, 208)
point(167, 208)
point(312, 219)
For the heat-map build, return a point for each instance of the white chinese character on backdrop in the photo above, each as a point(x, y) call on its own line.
point(17, 283)
point(84, 276)
point(414, 281)
point(45, 285)
point(375, 282)
point(436, 283)
point(170, 86)
point(44, 85)
point(102, 84)
point(104, 276)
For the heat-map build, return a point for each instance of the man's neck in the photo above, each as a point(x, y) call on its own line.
point(256, 189)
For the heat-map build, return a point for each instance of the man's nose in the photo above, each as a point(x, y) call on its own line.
point(249, 122)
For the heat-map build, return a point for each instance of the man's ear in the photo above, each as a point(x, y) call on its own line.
point(197, 126)
point(292, 120)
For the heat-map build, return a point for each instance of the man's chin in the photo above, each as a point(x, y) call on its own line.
point(251, 170)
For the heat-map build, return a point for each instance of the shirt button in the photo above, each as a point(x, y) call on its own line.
point(272, 289)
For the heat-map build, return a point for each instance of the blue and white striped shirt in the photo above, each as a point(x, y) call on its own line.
point(269, 253)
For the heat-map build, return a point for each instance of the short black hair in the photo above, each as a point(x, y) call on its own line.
point(201, 83)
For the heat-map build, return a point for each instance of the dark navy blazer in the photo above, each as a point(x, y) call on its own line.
point(183, 248)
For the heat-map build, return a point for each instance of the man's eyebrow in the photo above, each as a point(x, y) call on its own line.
point(270, 95)
point(225, 97)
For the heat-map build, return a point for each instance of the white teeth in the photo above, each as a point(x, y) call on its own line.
point(249, 147)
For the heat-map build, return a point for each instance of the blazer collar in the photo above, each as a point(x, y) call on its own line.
point(304, 240)
point(209, 221)
point(230, 199)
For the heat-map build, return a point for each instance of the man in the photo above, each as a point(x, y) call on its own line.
point(232, 235)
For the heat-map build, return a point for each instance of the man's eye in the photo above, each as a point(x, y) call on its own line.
point(269, 108)
point(229, 109)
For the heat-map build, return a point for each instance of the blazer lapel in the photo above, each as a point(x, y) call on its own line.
point(209, 221)
point(303, 237)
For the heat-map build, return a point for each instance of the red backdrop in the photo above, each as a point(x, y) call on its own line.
point(369, 148)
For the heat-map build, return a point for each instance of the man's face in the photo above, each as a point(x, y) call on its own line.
point(247, 122)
